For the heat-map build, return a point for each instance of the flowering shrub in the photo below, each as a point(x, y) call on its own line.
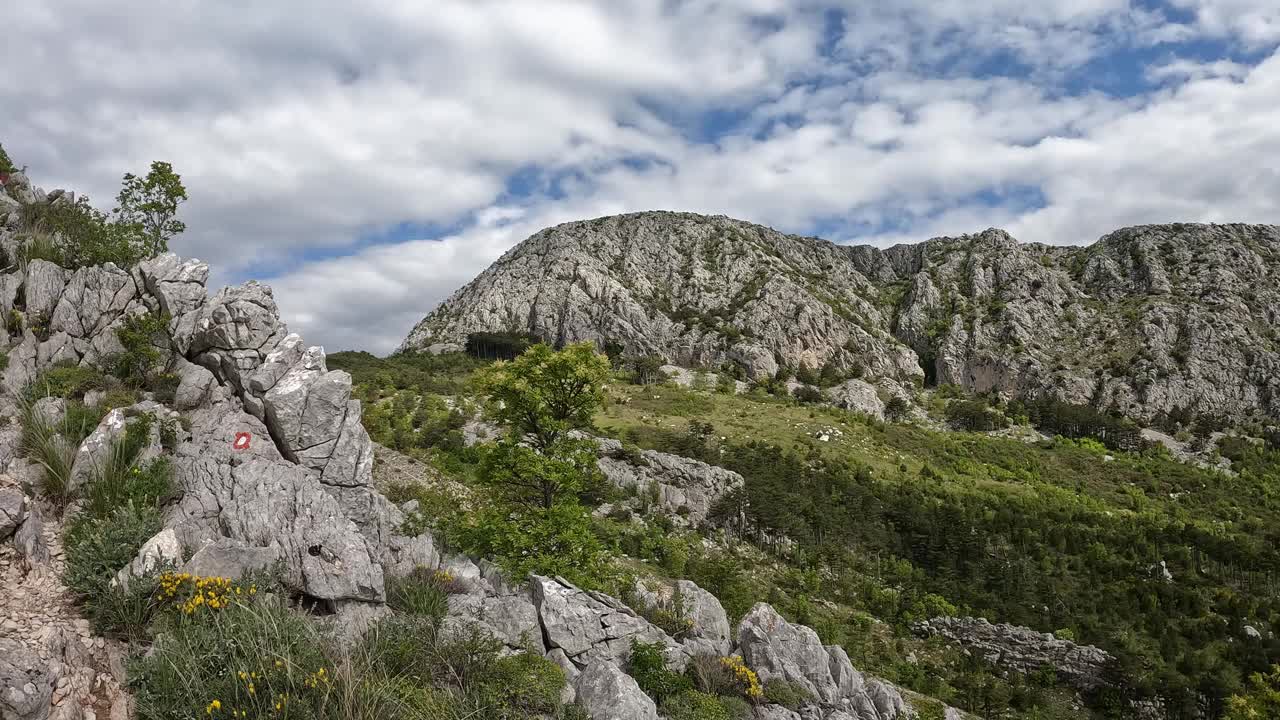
point(746, 678)
point(192, 593)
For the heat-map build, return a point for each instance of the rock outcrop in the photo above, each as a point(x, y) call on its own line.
point(683, 488)
point(1023, 650)
point(1148, 319)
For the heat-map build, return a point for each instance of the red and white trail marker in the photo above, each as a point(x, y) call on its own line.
point(242, 441)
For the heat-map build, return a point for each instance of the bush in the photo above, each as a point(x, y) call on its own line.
point(142, 337)
point(120, 480)
point(647, 369)
point(788, 695)
point(96, 549)
point(975, 415)
point(694, 705)
point(808, 394)
point(421, 593)
point(46, 445)
point(66, 381)
point(647, 665)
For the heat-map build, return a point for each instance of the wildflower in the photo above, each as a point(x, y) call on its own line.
point(215, 705)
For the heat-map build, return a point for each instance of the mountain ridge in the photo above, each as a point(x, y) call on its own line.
point(1148, 320)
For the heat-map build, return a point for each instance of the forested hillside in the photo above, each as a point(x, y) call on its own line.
point(863, 528)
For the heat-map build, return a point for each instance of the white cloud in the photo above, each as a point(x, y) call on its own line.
point(304, 128)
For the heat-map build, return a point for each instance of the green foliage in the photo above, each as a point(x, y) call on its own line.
point(647, 665)
point(96, 548)
point(545, 393)
point(499, 345)
point(896, 409)
point(421, 592)
point(975, 415)
point(147, 208)
point(50, 447)
point(1262, 700)
point(66, 381)
point(422, 373)
point(525, 476)
point(788, 695)
point(694, 705)
point(143, 337)
point(119, 479)
point(808, 394)
point(647, 369)
point(555, 541)
point(6, 165)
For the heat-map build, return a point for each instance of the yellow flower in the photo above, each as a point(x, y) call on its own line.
point(215, 705)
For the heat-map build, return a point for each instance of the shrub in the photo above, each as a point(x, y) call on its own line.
point(647, 369)
point(808, 394)
point(647, 665)
point(66, 381)
point(897, 408)
point(120, 480)
point(142, 336)
point(421, 593)
point(164, 387)
point(788, 695)
point(96, 549)
point(525, 685)
point(746, 681)
point(49, 448)
point(694, 705)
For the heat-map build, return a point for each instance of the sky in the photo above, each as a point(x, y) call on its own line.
point(367, 159)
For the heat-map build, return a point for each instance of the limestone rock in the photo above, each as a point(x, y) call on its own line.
point(858, 396)
point(687, 489)
point(96, 448)
point(274, 504)
point(178, 285)
point(50, 410)
point(195, 385)
point(607, 693)
point(30, 542)
point(13, 509)
point(776, 649)
point(1194, 306)
point(43, 289)
point(26, 685)
point(162, 550)
point(230, 558)
point(93, 299)
point(1023, 650)
point(590, 626)
point(234, 332)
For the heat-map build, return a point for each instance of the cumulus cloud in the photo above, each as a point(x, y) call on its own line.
point(311, 135)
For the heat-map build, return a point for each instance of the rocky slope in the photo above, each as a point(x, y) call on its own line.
point(1148, 319)
point(275, 471)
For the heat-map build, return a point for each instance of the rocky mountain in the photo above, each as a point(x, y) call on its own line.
point(1149, 320)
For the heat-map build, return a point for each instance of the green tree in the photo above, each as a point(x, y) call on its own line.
point(6, 165)
point(148, 207)
point(647, 369)
point(1261, 701)
point(538, 478)
point(545, 393)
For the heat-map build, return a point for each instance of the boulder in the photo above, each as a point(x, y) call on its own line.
point(1023, 650)
point(510, 618)
point(236, 329)
point(858, 396)
point(265, 503)
point(226, 434)
point(96, 449)
point(277, 363)
point(686, 489)
point(26, 683)
point(306, 410)
point(756, 359)
point(709, 632)
point(50, 410)
point(195, 385)
point(60, 349)
point(443, 348)
point(591, 626)
point(778, 650)
point(43, 290)
point(13, 509)
point(33, 552)
point(178, 285)
point(93, 299)
point(22, 364)
point(161, 551)
point(229, 558)
point(351, 462)
point(607, 693)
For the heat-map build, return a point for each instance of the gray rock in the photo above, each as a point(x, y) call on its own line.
point(778, 650)
point(96, 449)
point(709, 632)
point(43, 289)
point(50, 410)
point(1250, 631)
point(1024, 650)
point(775, 712)
point(607, 693)
point(981, 311)
point(93, 299)
point(686, 489)
point(277, 363)
point(307, 408)
point(231, 558)
point(19, 186)
point(8, 205)
point(274, 504)
point(178, 285)
point(26, 683)
point(13, 509)
point(351, 462)
point(22, 367)
point(238, 328)
point(443, 348)
point(510, 618)
point(33, 552)
point(591, 626)
point(160, 552)
point(59, 349)
point(195, 385)
point(10, 282)
point(858, 396)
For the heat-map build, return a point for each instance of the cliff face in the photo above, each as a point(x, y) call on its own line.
point(1148, 319)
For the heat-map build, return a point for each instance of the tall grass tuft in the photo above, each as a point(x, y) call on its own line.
point(46, 444)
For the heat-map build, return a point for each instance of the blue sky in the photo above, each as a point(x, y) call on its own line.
point(367, 161)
